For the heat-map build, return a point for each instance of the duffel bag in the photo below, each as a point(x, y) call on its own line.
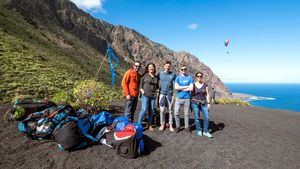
point(24, 106)
point(68, 137)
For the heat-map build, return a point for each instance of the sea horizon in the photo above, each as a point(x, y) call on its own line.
point(297, 83)
point(281, 96)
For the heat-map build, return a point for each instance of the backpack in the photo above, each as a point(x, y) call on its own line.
point(24, 106)
point(40, 125)
point(92, 126)
point(41, 129)
point(139, 137)
point(118, 137)
point(85, 111)
point(101, 120)
point(79, 132)
point(68, 137)
point(119, 123)
point(124, 142)
point(60, 114)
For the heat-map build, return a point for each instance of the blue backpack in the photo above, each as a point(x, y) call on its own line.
point(120, 123)
point(139, 136)
point(89, 129)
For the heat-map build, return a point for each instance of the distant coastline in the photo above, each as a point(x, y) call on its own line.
point(274, 96)
point(242, 96)
point(248, 97)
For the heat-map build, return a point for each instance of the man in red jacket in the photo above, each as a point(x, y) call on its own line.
point(130, 85)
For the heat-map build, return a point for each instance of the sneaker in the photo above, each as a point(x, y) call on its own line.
point(171, 129)
point(162, 127)
point(177, 129)
point(207, 134)
point(199, 133)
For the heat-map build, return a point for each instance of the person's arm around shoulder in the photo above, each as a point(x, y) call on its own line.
point(157, 83)
point(193, 91)
point(142, 84)
point(158, 80)
point(207, 97)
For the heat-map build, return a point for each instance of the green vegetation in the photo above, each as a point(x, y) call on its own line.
point(95, 94)
point(232, 101)
point(64, 97)
point(88, 92)
point(40, 63)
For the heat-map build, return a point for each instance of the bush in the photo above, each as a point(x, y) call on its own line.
point(232, 101)
point(64, 97)
point(95, 94)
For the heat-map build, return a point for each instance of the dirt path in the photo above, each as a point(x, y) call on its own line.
point(244, 137)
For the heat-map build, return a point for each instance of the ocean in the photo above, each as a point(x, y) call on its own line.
point(275, 96)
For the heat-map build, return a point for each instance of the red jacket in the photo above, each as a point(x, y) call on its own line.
point(130, 83)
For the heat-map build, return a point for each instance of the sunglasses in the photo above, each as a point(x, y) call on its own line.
point(183, 69)
point(199, 76)
point(137, 66)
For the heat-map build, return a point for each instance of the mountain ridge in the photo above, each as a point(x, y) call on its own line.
point(52, 15)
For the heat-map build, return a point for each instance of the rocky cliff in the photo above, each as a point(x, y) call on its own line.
point(128, 43)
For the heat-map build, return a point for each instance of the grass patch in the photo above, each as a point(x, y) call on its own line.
point(238, 102)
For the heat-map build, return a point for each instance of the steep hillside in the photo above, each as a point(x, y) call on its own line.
point(79, 40)
point(38, 62)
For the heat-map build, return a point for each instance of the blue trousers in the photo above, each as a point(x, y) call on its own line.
point(148, 105)
point(203, 108)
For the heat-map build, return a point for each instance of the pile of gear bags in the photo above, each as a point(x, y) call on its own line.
point(74, 130)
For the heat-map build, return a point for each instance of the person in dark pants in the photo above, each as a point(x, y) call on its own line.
point(130, 85)
point(200, 102)
point(149, 86)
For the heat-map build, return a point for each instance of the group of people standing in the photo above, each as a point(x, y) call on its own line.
point(190, 93)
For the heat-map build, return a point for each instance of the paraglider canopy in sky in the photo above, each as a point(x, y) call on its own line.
point(226, 44)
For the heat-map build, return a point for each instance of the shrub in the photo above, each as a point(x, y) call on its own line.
point(96, 94)
point(64, 97)
point(232, 101)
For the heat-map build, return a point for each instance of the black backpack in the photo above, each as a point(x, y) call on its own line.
point(68, 137)
point(127, 148)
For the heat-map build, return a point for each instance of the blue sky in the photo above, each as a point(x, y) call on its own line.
point(264, 34)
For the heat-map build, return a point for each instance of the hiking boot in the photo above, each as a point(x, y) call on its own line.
point(199, 133)
point(207, 134)
point(150, 128)
point(162, 127)
point(171, 129)
point(177, 129)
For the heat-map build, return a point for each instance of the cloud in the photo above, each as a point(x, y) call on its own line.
point(193, 26)
point(95, 5)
